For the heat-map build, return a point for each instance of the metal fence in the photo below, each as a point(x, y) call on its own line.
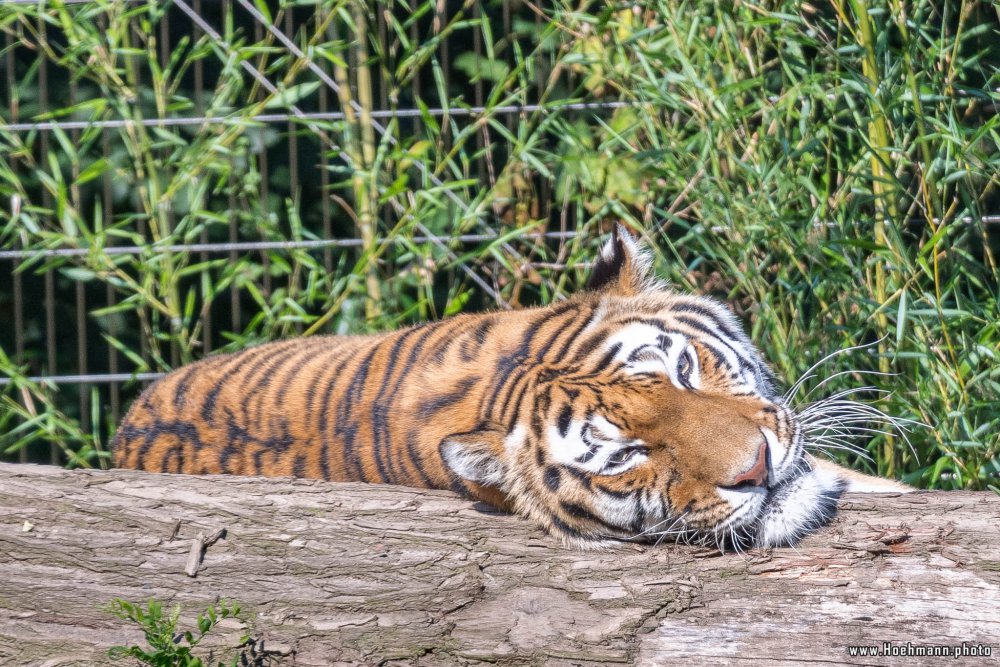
point(48, 327)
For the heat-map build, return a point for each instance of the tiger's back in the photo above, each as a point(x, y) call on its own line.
point(329, 407)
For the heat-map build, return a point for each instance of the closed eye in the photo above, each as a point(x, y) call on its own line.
point(624, 455)
point(687, 369)
point(600, 447)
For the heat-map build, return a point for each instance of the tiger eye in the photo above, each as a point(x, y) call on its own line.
point(684, 366)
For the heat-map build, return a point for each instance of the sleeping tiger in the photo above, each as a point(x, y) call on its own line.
point(626, 412)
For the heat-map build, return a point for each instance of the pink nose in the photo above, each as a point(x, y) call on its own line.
point(757, 474)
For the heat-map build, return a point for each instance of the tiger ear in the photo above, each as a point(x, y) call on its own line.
point(623, 267)
point(476, 456)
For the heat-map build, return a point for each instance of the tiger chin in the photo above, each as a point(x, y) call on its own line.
point(628, 412)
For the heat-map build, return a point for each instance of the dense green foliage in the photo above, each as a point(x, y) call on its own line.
point(826, 169)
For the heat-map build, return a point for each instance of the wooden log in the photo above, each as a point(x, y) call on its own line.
point(354, 574)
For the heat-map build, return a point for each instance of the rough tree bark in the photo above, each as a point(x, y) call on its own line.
point(356, 574)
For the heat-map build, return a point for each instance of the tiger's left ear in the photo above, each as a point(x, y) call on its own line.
point(476, 456)
point(623, 267)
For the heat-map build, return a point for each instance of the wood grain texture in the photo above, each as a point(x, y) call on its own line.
point(354, 574)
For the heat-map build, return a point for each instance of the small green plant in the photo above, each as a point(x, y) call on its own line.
point(169, 647)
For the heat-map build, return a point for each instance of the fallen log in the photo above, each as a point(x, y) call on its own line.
point(354, 574)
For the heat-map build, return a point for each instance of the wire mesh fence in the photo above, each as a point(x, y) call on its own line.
point(188, 177)
point(248, 71)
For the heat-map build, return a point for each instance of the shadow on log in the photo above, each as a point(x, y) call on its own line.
point(356, 574)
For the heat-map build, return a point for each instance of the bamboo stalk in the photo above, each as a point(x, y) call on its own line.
point(360, 146)
point(883, 190)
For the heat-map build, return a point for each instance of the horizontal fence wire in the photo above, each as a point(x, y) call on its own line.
point(246, 246)
point(323, 244)
point(93, 378)
point(382, 114)
point(250, 246)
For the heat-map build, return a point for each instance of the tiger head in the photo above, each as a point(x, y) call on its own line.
point(658, 421)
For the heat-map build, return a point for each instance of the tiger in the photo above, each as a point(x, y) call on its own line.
point(626, 412)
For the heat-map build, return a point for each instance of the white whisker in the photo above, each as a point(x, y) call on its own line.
point(790, 394)
point(852, 371)
point(846, 429)
point(851, 390)
point(654, 528)
point(853, 450)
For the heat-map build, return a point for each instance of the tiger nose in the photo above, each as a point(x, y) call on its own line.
point(757, 474)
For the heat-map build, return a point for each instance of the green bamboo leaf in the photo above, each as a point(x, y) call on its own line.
point(264, 9)
point(292, 95)
point(92, 171)
point(901, 319)
point(79, 273)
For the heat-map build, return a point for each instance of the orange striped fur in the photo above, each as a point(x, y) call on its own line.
point(626, 412)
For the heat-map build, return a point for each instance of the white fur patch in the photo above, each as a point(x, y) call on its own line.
point(516, 439)
point(641, 352)
point(745, 503)
point(605, 429)
point(566, 449)
point(618, 511)
point(634, 336)
point(860, 483)
point(473, 466)
point(799, 508)
point(608, 249)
